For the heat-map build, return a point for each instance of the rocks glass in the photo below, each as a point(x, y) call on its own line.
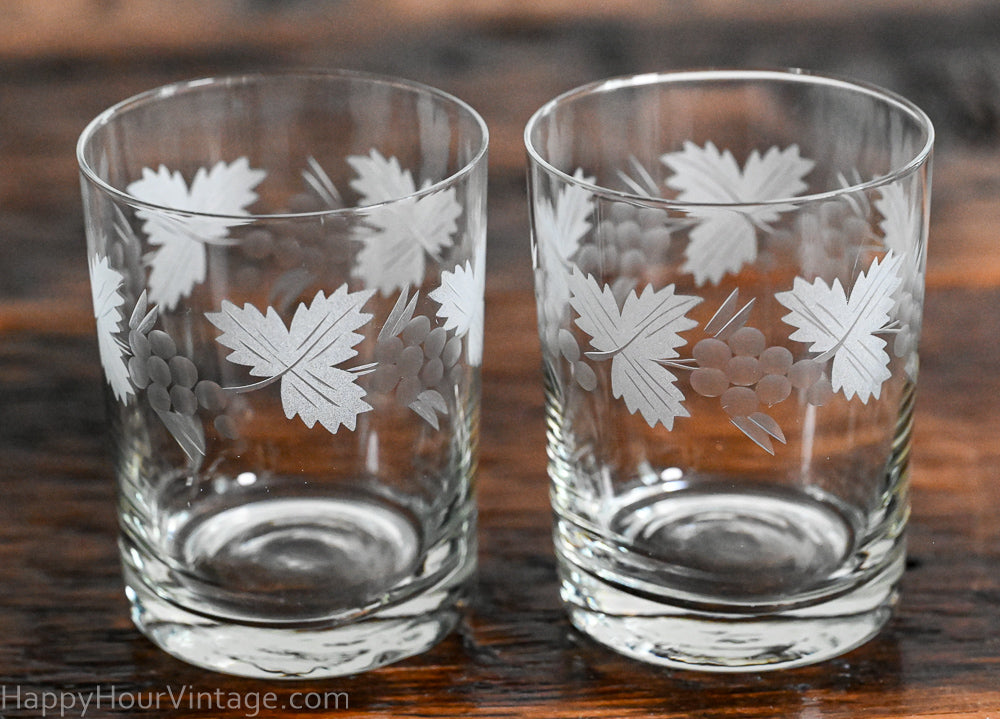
point(288, 279)
point(729, 273)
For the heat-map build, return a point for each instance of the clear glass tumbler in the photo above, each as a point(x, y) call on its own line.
point(729, 274)
point(288, 276)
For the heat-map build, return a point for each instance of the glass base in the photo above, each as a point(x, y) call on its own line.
point(299, 588)
point(718, 642)
point(727, 582)
point(287, 653)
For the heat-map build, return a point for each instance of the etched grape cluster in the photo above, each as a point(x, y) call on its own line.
point(622, 243)
point(747, 375)
point(417, 359)
point(284, 249)
point(628, 235)
point(299, 251)
point(170, 380)
point(581, 371)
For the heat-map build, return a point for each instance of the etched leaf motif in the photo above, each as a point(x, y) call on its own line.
point(846, 328)
point(559, 226)
point(105, 282)
point(428, 404)
point(726, 238)
point(402, 232)
point(179, 263)
point(722, 242)
point(187, 431)
point(303, 356)
point(902, 226)
point(562, 223)
point(902, 219)
point(461, 298)
point(637, 339)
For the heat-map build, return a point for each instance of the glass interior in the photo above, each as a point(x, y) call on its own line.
point(284, 124)
point(856, 134)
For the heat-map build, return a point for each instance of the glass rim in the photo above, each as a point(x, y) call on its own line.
point(163, 92)
point(786, 75)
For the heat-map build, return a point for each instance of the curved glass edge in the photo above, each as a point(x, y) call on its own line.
point(919, 160)
point(166, 91)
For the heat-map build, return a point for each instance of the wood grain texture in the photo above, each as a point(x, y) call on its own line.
point(63, 619)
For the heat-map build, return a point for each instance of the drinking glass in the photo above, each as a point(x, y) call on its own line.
point(287, 276)
point(729, 277)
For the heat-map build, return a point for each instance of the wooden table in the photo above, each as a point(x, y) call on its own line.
point(63, 618)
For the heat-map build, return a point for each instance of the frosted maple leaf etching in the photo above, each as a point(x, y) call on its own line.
point(179, 262)
point(846, 327)
point(405, 230)
point(461, 298)
point(562, 223)
point(105, 283)
point(726, 237)
point(902, 226)
point(637, 339)
point(901, 221)
point(559, 226)
point(304, 355)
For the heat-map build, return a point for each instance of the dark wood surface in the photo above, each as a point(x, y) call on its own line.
point(63, 618)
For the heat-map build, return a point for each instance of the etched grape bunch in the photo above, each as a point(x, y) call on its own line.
point(623, 242)
point(170, 379)
point(581, 371)
point(748, 376)
point(285, 250)
point(417, 359)
point(627, 236)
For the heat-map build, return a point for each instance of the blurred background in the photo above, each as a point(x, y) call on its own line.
point(63, 61)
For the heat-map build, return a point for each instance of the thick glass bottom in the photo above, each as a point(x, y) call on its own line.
point(682, 639)
point(728, 581)
point(299, 588)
